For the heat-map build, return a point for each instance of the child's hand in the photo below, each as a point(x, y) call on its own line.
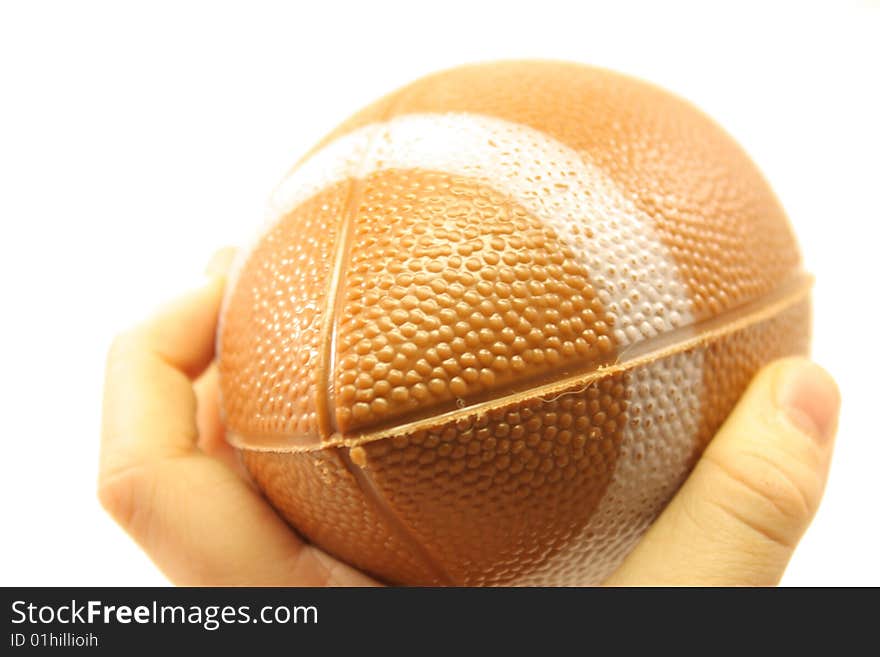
point(169, 478)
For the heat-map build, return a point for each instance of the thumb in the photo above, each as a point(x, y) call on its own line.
point(741, 513)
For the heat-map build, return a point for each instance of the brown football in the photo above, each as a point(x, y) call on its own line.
point(496, 316)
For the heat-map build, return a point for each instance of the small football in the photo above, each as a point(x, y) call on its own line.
point(495, 317)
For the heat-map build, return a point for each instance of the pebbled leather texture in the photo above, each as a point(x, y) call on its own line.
point(496, 316)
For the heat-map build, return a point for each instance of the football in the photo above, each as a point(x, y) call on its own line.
point(495, 317)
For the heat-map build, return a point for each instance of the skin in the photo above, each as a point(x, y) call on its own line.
point(169, 478)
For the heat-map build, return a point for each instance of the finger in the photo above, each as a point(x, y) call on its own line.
point(149, 405)
point(203, 525)
point(182, 332)
point(212, 435)
point(200, 522)
point(739, 516)
point(148, 375)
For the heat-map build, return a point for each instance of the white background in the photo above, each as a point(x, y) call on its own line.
point(133, 142)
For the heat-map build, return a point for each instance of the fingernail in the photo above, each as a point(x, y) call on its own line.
point(810, 399)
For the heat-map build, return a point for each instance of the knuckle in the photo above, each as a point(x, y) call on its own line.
point(114, 500)
point(115, 495)
point(772, 496)
point(125, 495)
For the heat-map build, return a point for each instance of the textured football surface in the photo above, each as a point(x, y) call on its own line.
point(496, 316)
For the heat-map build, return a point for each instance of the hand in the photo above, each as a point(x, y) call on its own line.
point(741, 513)
point(170, 479)
point(168, 476)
